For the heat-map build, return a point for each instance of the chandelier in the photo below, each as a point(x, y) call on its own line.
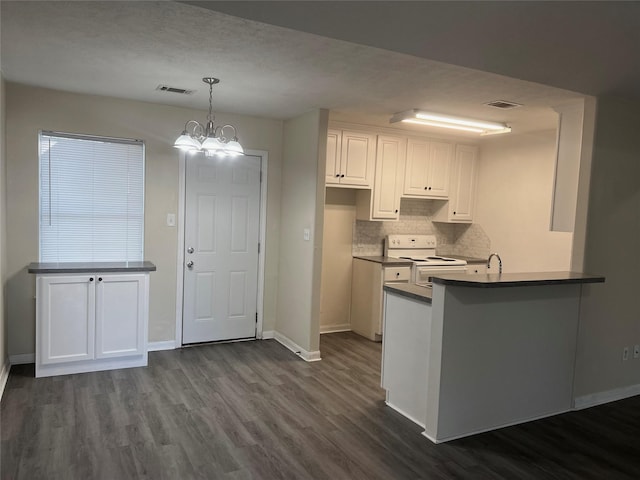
point(210, 139)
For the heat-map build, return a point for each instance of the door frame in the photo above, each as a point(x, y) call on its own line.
point(182, 191)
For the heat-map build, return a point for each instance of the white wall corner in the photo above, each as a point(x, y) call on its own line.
point(599, 398)
point(266, 335)
point(22, 358)
point(164, 345)
point(4, 375)
point(295, 348)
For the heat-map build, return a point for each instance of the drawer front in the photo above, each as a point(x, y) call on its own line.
point(397, 274)
point(476, 268)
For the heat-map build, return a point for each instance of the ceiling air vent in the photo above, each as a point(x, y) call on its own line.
point(503, 104)
point(166, 88)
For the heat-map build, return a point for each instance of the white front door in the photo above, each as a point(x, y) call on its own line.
point(222, 226)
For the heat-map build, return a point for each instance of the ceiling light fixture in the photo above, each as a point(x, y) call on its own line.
point(209, 139)
point(431, 119)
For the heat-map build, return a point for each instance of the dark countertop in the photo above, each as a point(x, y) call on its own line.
point(386, 261)
point(410, 290)
point(469, 260)
point(91, 267)
point(497, 280)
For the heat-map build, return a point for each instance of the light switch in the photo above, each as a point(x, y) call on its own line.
point(306, 234)
point(171, 219)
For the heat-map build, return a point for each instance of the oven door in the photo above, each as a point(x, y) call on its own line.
point(423, 274)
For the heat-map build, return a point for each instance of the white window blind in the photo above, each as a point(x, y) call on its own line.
point(91, 198)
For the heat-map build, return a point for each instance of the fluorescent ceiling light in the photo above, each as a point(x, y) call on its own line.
point(431, 119)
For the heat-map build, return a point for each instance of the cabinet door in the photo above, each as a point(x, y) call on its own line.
point(465, 174)
point(415, 179)
point(390, 162)
point(65, 318)
point(357, 159)
point(121, 314)
point(428, 168)
point(334, 138)
point(440, 157)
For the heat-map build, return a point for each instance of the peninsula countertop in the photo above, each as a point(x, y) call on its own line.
point(90, 267)
point(524, 279)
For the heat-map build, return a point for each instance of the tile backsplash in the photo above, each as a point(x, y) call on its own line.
point(415, 218)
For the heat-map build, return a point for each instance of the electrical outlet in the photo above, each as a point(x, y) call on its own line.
point(625, 354)
point(636, 351)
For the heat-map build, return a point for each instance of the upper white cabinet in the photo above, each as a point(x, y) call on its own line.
point(88, 322)
point(350, 158)
point(428, 168)
point(459, 208)
point(383, 202)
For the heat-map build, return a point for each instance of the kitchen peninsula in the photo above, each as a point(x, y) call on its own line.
point(480, 352)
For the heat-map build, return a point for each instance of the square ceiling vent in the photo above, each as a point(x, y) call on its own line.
point(182, 91)
point(503, 104)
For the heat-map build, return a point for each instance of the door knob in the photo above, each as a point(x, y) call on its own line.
point(190, 250)
point(189, 264)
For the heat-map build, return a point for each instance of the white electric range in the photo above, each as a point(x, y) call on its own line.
point(421, 249)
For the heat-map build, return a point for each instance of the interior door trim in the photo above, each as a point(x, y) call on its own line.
point(182, 191)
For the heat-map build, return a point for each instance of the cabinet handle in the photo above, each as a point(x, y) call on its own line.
point(429, 188)
point(342, 176)
point(99, 279)
point(337, 175)
point(91, 279)
point(397, 274)
point(426, 188)
point(396, 211)
point(454, 213)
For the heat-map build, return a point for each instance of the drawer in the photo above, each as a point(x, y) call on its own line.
point(476, 268)
point(397, 274)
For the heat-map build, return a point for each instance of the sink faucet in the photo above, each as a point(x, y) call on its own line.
point(499, 262)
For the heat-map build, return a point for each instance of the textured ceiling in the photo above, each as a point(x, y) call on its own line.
point(126, 49)
point(583, 46)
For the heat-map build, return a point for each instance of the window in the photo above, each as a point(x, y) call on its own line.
point(91, 198)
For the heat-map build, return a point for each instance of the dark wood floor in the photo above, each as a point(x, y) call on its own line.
point(254, 410)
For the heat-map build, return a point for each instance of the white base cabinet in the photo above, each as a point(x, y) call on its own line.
point(366, 295)
point(90, 322)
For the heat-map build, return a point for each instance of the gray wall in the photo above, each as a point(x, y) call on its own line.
point(300, 260)
point(30, 109)
point(610, 312)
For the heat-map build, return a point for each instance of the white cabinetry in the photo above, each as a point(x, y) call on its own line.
point(428, 169)
point(383, 202)
point(459, 208)
point(366, 295)
point(350, 159)
point(89, 322)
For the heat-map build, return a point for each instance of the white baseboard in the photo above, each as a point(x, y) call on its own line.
point(22, 358)
point(593, 399)
point(489, 429)
point(267, 334)
point(295, 348)
point(164, 345)
point(4, 375)
point(345, 327)
point(404, 414)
